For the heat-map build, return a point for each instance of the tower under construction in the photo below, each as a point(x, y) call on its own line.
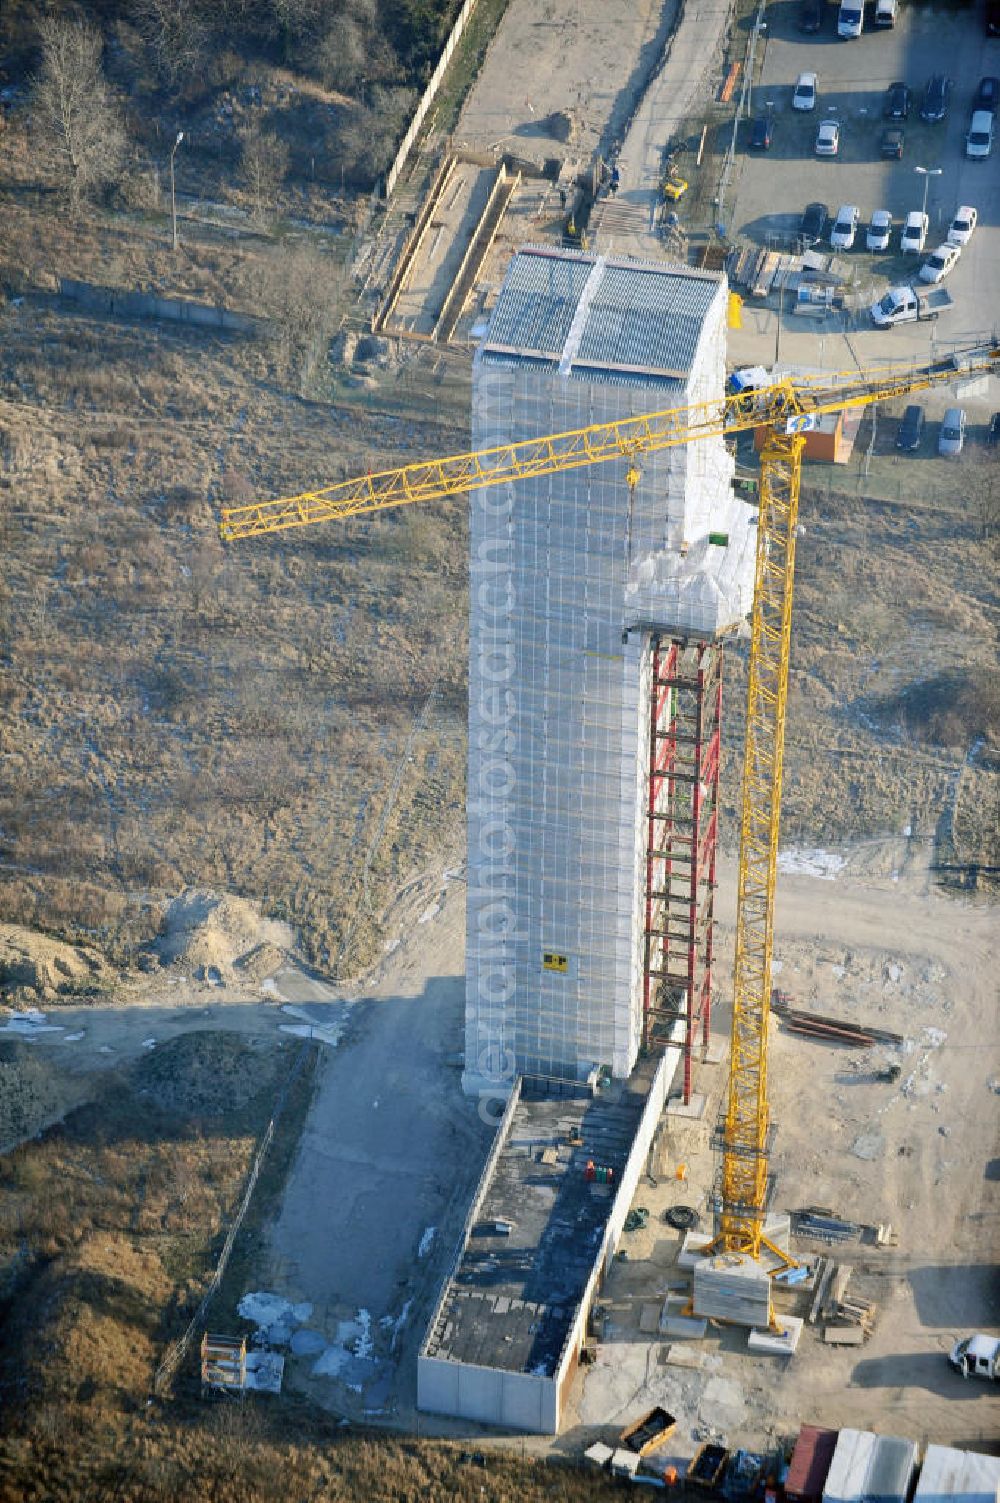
point(599, 603)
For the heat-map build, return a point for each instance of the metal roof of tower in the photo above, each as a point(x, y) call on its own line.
point(600, 315)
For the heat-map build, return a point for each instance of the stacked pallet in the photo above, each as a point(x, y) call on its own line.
point(848, 1318)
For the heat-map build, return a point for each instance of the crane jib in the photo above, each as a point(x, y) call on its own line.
point(789, 404)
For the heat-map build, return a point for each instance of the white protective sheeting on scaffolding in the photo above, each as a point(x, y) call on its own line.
point(566, 588)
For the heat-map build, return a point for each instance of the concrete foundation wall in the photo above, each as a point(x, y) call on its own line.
point(121, 303)
point(627, 1186)
point(515, 1401)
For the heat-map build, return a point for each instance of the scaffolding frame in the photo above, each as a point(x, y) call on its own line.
point(682, 814)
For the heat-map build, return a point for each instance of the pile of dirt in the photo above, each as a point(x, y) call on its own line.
point(33, 966)
point(206, 1074)
point(207, 934)
point(261, 962)
point(31, 1094)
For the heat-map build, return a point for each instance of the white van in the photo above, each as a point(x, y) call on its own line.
point(885, 13)
point(851, 18)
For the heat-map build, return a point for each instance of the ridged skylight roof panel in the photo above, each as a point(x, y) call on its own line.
point(537, 302)
point(646, 319)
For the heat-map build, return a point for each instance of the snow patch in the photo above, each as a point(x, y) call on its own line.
point(274, 1316)
point(814, 862)
point(30, 1024)
point(425, 1242)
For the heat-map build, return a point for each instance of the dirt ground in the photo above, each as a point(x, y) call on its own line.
point(876, 944)
point(249, 741)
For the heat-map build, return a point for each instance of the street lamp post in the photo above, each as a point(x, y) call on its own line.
point(173, 197)
point(927, 173)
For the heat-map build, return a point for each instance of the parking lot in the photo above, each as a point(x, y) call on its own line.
point(773, 187)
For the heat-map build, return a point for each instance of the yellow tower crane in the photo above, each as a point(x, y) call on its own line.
point(785, 410)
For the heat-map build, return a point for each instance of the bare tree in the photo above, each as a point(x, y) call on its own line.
point(299, 292)
point(263, 164)
point(341, 52)
point(177, 35)
point(74, 107)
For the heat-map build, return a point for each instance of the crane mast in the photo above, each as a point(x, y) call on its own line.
point(785, 410)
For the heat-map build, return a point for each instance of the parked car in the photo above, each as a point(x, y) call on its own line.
point(993, 432)
point(952, 435)
point(811, 15)
point(885, 12)
point(892, 143)
point(828, 138)
point(987, 95)
point(914, 232)
point(963, 224)
point(845, 227)
point(992, 18)
point(977, 1356)
point(979, 140)
point(804, 97)
point(879, 231)
point(762, 133)
point(939, 263)
point(850, 18)
point(812, 226)
point(937, 97)
point(911, 429)
point(898, 98)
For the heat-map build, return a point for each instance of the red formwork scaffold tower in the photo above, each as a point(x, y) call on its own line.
point(685, 723)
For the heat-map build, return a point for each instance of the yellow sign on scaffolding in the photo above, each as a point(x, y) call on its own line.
point(553, 962)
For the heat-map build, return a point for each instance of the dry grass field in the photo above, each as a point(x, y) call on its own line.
point(285, 720)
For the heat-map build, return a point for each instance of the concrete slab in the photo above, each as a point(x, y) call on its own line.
point(598, 1454)
point(686, 1356)
point(693, 1249)
point(767, 1343)
point(649, 1319)
point(695, 1108)
point(675, 1322)
point(715, 1053)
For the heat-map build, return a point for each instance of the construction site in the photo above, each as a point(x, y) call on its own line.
point(499, 999)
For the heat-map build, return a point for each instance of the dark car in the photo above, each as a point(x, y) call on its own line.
point(897, 102)
point(987, 94)
point(992, 18)
point(911, 429)
point(811, 15)
point(813, 224)
point(892, 142)
point(993, 436)
point(937, 97)
point(762, 133)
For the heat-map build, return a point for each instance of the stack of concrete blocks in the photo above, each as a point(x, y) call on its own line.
point(732, 1287)
point(569, 578)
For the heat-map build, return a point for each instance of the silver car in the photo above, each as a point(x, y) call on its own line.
point(952, 435)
